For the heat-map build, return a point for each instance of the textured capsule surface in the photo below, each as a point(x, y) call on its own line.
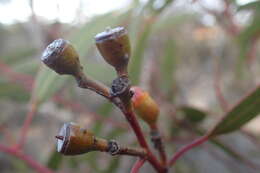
point(76, 140)
point(114, 46)
point(120, 85)
point(61, 56)
point(145, 107)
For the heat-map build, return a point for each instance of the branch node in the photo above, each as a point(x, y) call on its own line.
point(113, 147)
point(120, 86)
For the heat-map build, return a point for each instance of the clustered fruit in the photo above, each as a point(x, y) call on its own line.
point(114, 46)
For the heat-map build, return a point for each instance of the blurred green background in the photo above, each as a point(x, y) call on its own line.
point(183, 51)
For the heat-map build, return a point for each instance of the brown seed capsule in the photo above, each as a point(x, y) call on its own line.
point(61, 57)
point(74, 140)
point(114, 46)
point(145, 107)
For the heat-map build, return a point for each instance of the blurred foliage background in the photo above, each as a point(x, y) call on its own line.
point(183, 53)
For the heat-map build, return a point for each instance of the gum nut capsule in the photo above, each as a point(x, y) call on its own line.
point(74, 140)
point(145, 107)
point(114, 46)
point(61, 57)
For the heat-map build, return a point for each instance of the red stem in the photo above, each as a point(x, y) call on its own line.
point(137, 129)
point(131, 118)
point(27, 159)
point(25, 80)
point(138, 164)
point(186, 148)
point(232, 28)
point(160, 145)
point(8, 136)
point(221, 99)
point(129, 115)
point(26, 125)
point(252, 52)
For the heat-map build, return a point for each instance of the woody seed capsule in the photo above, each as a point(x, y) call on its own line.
point(114, 46)
point(74, 140)
point(61, 57)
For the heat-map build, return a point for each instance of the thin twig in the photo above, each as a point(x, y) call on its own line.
point(26, 124)
point(252, 52)
point(140, 152)
point(158, 143)
point(220, 97)
point(232, 28)
point(91, 84)
point(8, 136)
point(186, 148)
point(25, 80)
point(131, 118)
point(138, 164)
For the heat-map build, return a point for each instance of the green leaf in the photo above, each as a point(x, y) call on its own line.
point(91, 159)
point(168, 63)
point(73, 163)
point(166, 23)
point(28, 66)
point(55, 160)
point(14, 92)
point(20, 54)
point(245, 37)
point(192, 114)
point(138, 54)
point(46, 84)
point(247, 109)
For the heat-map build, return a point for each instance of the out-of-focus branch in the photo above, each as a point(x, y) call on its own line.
point(26, 125)
point(231, 27)
point(27, 159)
point(25, 80)
point(186, 148)
point(220, 97)
point(138, 164)
point(8, 136)
point(251, 54)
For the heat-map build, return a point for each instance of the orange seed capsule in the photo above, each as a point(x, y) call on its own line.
point(145, 107)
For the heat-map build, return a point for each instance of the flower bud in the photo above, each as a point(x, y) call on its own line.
point(74, 140)
point(145, 107)
point(114, 46)
point(61, 57)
